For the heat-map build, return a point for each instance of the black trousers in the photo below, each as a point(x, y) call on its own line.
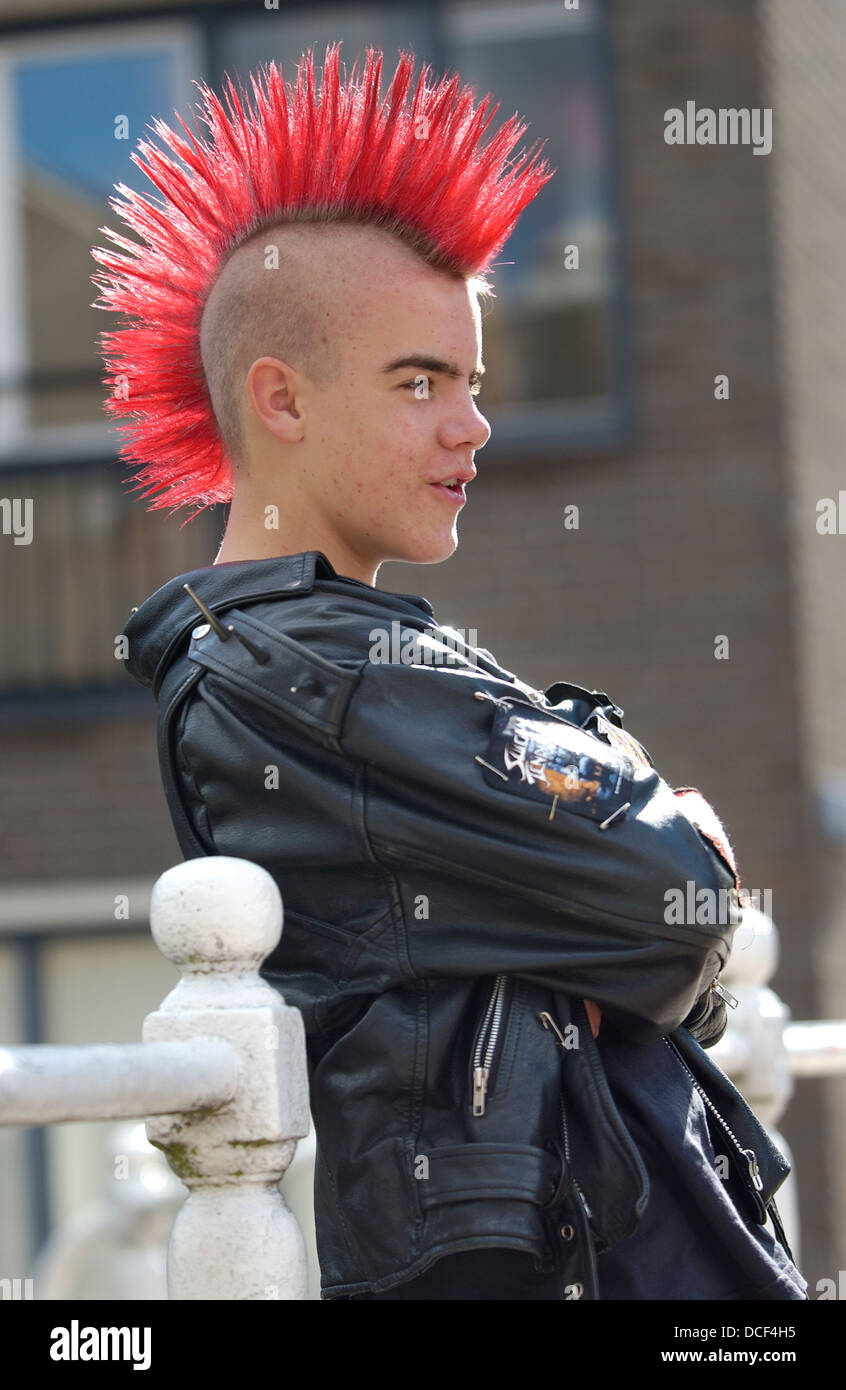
point(636, 1273)
point(476, 1274)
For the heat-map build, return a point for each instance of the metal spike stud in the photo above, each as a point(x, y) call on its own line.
point(215, 623)
point(255, 651)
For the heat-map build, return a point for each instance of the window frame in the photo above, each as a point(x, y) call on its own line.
point(549, 429)
point(21, 443)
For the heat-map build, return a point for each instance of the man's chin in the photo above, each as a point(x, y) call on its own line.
point(430, 552)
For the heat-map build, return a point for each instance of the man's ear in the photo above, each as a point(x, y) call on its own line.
point(274, 394)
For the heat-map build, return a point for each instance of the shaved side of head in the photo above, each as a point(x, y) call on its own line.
point(272, 299)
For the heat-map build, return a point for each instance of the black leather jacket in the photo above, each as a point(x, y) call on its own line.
point(462, 861)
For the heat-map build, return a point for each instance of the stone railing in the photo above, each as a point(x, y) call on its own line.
point(763, 1051)
point(222, 1074)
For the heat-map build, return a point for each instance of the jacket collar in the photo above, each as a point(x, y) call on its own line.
point(160, 625)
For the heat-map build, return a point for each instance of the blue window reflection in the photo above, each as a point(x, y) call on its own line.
point(66, 110)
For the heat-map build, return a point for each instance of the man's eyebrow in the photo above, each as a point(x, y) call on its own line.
point(431, 364)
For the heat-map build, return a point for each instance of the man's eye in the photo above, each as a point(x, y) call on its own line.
point(475, 389)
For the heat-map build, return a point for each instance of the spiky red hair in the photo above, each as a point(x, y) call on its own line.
point(340, 154)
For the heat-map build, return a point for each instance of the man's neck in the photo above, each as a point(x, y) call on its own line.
point(261, 544)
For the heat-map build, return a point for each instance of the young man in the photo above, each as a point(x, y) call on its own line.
point(503, 1020)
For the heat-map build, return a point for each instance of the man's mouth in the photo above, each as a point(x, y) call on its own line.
point(452, 488)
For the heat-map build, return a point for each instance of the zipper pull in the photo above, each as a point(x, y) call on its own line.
point(724, 994)
point(480, 1086)
point(754, 1174)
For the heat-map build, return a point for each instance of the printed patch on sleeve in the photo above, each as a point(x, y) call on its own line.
point(544, 759)
point(619, 738)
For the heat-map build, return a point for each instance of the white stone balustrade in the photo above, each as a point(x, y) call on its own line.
point(221, 1076)
point(45, 1085)
point(221, 1071)
point(762, 1051)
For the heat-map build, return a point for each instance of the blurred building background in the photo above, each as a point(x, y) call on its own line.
point(697, 513)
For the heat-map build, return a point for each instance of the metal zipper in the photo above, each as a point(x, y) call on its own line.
point(723, 993)
point(483, 1052)
point(549, 1023)
point(749, 1155)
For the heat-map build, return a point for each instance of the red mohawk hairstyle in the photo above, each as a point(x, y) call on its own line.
point(290, 156)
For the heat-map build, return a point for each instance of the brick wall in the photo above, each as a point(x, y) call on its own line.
point(686, 536)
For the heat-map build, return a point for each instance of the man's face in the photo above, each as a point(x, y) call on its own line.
point(377, 441)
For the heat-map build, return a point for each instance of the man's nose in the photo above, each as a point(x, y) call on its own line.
point(471, 429)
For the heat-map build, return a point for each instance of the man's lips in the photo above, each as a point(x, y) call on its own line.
point(455, 494)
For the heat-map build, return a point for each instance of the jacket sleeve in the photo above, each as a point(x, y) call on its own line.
point(708, 1020)
point(556, 857)
point(497, 836)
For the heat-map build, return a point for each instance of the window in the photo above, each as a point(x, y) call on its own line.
point(554, 339)
point(553, 336)
point(84, 551)
point(550, 341)
point(74, 107)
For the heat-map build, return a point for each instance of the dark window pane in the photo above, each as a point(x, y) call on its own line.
point(246, 42)
point(70, 152)
point(548, 337)
point(549, 333)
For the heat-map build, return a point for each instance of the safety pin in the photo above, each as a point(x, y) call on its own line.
point(491, 769)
